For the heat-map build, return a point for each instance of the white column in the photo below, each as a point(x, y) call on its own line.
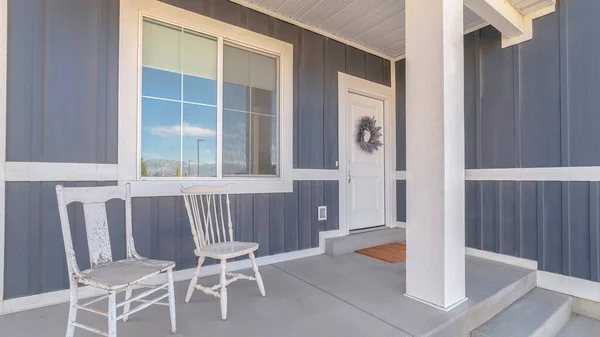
point(435, 152)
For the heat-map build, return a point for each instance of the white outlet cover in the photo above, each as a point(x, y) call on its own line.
point(322, 213)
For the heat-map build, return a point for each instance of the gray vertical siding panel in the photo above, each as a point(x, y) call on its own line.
point(331, 200)
point(260, 23)
point(387, 73)
point(579, 230)
point(470, 102)
point(540, 217)
point(487, 216)
point(166, 228)
point(356, 62)
point(401, 200)
point(540, 95)
point(53, 263)
point(229, 12)
point(566, 224)
point(335, 61)
point(583, 48)
point(277, 223)
point(471, 213)
point(310, 109)
point(50, 85)
point(304, 214)
point(291, 219)
point(528, 221)
point(374, 68)
point(552, 223)
point(401, 115)
point(508, 227)
point(245, 217)
point(497, 117)
point(261, 223)
point(21, 244)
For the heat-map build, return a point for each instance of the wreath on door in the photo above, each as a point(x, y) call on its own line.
point(368, 134)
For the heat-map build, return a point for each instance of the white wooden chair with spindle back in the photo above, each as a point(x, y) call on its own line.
point(212, 229)
point(112, 276)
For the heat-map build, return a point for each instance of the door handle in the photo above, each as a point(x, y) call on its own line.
point(349, 178)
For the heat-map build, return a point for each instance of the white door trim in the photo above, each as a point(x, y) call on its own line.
point(350, 84)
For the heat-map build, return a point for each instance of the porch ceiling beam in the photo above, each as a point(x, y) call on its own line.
point(514, 26)
point(501, 14)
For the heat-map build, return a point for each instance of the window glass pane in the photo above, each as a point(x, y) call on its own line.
point(161, 46)
point(236, 97)
point(250, 119)
point(161, 83)
point(199, 141)
point(199, 68)
point(161, 138)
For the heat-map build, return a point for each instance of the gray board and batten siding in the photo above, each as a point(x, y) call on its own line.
point(62, 107)
point(536, 104)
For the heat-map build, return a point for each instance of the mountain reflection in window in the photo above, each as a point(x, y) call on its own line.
point(179, 106)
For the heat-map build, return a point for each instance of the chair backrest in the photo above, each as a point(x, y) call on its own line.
point(209, 213)
point(96, 222)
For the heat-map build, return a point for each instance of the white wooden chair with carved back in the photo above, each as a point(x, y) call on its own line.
point(112, 276)
point(212, 229)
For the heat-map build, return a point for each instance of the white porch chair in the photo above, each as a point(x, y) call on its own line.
point(210, 221)
point(106, 274)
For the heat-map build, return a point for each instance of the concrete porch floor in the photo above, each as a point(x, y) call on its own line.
point(348, 295)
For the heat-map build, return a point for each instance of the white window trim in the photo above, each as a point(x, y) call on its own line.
point(131, 13)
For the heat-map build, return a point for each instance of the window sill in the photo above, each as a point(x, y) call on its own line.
point(154, 188)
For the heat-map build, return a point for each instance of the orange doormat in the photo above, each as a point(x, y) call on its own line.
point(392, 252)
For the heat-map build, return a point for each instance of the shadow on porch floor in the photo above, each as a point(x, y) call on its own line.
point(348, 295)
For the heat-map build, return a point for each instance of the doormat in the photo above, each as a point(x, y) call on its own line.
point(392, 252)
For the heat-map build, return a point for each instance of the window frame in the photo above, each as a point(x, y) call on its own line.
point(133, 13)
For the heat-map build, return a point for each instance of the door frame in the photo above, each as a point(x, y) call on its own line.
point(350, 84)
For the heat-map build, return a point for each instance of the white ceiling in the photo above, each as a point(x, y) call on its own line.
point(376, 25)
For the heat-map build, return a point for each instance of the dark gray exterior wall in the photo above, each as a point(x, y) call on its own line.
point(35, 258)
point(62, 107)
point(536, 104)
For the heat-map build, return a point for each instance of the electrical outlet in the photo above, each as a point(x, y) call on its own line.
point(322, 213)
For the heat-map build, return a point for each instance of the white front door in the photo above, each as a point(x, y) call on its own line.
point(365, 176)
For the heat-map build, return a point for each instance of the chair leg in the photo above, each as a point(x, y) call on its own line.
point(172, 301)
point(74, 294)
point(257, 276)
point(112, 315)
point(223, 282)
point(194, 281)
point(128, 305)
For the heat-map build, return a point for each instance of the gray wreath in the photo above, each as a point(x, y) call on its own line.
point(368, 124)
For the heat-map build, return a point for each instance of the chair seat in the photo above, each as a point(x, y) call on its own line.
point(120, 274)
point(227, 250)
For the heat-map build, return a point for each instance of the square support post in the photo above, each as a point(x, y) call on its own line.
point(435, 146)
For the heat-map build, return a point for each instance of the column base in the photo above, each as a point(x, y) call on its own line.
point(449, 308)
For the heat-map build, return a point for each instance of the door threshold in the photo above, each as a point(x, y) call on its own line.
point(368, 229)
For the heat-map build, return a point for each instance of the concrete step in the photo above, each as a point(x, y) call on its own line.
point(540, 313)
point(580, 326)
point(348, 244)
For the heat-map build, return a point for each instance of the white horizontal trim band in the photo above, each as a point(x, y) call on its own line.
point(34, 171)
point(400, 175)
point(572, 286)
point(582, 173)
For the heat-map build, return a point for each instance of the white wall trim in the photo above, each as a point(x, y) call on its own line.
point(506, 259)
point(3, 107)
point(572, 286)
point(400, 175)
point(304, 174)
point(350, 84)
point(313, 29)
point(528, 20)
point(400, 224)
point(583, 173)
point(34, 171)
